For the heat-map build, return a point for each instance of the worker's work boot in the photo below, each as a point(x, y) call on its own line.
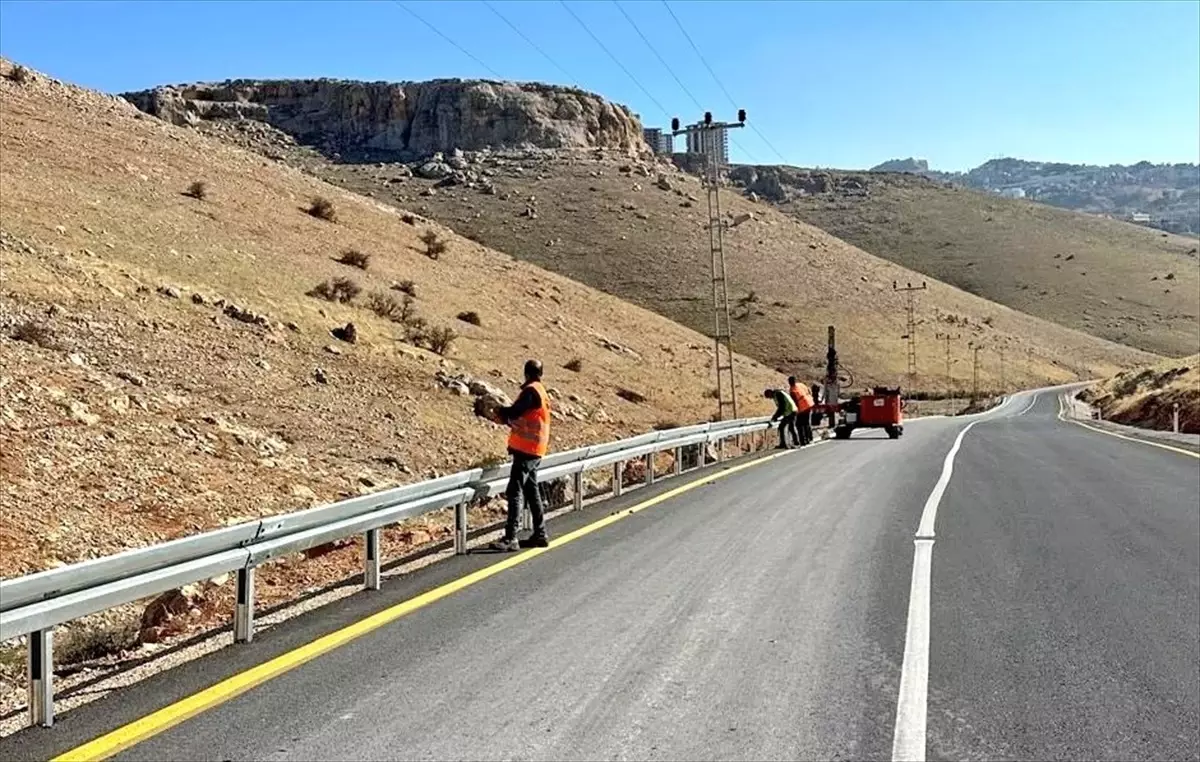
point(536, 541)
point(505, 545)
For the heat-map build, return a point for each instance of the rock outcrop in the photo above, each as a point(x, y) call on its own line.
point(412, 119)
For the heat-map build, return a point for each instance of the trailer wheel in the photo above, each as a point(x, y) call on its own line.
point(842, 432)
point(894, 432)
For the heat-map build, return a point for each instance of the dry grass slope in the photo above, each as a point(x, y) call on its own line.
point(175, 375)
point(1126, 283)
point(606, 222)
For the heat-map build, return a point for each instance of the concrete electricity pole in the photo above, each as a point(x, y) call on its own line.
point(949, 377)
point(910, 309)
point(711, 136)
point(1003, 386)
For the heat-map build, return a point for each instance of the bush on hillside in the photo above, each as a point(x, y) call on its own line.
point(406, 287)
point(355, 258)
point(340, 290)
point(434, 245)
point(471, 317)
point(322, 208)
point(35, 333)
point(197, 190)
point(575, 365)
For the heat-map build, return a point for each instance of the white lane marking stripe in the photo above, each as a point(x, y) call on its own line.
point(929, 512)
point(1029, 407)
point(908, 740)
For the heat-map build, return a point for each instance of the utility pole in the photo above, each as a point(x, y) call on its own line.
point(949, 377)
point(1003, 386)
point(910, 308)
point(711, 135)
point(975, 373)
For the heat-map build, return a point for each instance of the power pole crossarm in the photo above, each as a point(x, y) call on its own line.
point(710, 141)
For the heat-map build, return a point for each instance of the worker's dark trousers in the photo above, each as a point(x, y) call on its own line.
point(803, 428)
point(786, 424)
point(522, 483)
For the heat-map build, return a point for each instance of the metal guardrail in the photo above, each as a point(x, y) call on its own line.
point(33, 605)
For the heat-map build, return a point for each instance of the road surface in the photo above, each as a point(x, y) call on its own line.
point(766, 615)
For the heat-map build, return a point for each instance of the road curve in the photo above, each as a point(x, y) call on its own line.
point(764, 616)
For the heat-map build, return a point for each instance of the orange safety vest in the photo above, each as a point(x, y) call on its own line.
point(531, 432)
point(802, 396)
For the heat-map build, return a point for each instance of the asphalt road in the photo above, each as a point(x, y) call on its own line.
point(763, 616)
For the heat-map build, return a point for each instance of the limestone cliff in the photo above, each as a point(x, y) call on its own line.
point(412, 118)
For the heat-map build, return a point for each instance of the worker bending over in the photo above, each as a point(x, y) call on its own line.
point(528, 442)
point(785, 413)
point(802, 423)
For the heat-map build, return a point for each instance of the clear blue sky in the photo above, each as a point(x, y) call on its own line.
point(842, 84)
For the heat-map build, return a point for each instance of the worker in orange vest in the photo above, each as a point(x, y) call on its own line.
point(528, 442)
point(802, 423)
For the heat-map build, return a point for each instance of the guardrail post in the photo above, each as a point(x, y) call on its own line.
point(1175, 417)
point(678, 461)
point(577, 479)
point(243, 615)
point(649, 468)
point(371, 575)
point(616, 488)
point(720, 450)
point(41, 677)
point(460, 528)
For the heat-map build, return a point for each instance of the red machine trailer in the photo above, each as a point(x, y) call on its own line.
point(883, 409)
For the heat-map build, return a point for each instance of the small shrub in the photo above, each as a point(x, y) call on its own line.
point(575, 365)
point(440, 339)
point(714, 394)
point(471, 317)
point(390, 308)
point(1170, 276)
point(19, 74)
point(341, 290)
point(988, 320)
point(408, 218)
point(197, 190)
point(434, 245)
point(322, 209)
point(631, 396)
point(406, 287)
point(355, 258)
point(35, 333)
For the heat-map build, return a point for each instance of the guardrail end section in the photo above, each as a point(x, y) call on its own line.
point(243, 615)
point(41, 677)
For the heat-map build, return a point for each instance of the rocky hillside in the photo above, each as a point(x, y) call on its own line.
point(365, 120)
point(1122, 282)
point(1163, 196)
point(1147, 396)
point(193, 335)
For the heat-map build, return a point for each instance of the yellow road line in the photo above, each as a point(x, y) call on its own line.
point(169, 716)
point(1161, 446)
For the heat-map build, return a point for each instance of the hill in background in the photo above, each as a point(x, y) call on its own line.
point(1147, 397)
point(635, 228)
point(169, 365)
point(1163, 196)
point(1125, 283)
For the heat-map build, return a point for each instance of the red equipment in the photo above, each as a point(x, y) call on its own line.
point(882, 409)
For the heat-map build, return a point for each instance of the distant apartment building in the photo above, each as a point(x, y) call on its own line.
point(660, 142)
point(1012, 192)
point(1140, 217)
point(708, 142)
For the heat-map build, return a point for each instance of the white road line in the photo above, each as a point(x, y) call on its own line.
point(908, 741)
point(1029, 407)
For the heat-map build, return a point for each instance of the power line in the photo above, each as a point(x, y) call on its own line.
point(674, 76)
point(661, 60)
point(718, 79)
point(532, 44)
point(616, 60)
point(439, 33)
